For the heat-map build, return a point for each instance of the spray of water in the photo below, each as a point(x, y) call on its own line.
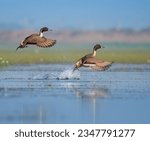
point(69, 74)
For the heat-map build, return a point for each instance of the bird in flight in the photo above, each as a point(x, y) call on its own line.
point(37, 39)
point(91, 61)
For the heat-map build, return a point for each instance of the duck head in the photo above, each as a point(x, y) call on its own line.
point(44, 29)
point(97, 46)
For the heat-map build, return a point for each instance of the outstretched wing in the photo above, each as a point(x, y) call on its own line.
point(44, 42)
point(98, 64)
point(102, 65)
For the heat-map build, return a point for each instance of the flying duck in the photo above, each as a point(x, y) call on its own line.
point(37, 39)
point(89, 60)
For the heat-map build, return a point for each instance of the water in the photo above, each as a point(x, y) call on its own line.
point(52, 94)
point(69, 74)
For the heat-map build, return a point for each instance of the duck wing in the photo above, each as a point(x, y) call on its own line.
point(102, 65)
point(91, 60)
point(84, 58)
point(98, 64)
point(44, 42)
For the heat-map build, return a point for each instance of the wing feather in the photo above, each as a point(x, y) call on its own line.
point(44, 42)
point(99, 64)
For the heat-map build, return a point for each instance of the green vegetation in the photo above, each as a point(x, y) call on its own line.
point(3, 62)
point(70, 54)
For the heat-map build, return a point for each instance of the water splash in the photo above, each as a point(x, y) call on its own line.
point(69, 74)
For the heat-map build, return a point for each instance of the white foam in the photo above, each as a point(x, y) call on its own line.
point(69, 74)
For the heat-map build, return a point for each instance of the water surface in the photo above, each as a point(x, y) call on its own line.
point(33, 94)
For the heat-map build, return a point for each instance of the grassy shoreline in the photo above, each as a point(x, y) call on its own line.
point(70, 53)
point(71, 56)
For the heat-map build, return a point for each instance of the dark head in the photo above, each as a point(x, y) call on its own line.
point(43, 29)
point(97, 46)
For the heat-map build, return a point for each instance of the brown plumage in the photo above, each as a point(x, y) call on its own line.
point(96, 64)
point(93, 54)
point(92, 62)
point(37, 39)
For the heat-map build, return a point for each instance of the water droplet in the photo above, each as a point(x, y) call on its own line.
point(69, 74)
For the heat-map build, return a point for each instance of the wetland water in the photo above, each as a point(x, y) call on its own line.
point(33, 94)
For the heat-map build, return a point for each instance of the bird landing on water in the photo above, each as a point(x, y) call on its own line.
point(38, 40)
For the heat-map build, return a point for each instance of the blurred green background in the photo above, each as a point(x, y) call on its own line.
point(69, 53)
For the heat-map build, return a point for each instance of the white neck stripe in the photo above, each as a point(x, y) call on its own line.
point(41, 34)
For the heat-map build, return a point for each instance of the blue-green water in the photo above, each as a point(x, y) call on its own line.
point(33, 94)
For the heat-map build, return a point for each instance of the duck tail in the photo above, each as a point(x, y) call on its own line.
point(19, 47)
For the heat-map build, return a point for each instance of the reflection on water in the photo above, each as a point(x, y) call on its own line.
point(93, 94)
point(45, 108)
point(31, 96)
